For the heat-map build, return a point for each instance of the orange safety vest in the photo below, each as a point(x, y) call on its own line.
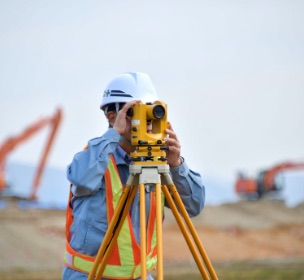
point(124, 262)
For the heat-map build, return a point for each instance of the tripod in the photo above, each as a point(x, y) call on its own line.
point(156, 173)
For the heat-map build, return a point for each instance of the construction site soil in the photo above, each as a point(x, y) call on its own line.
point(32, 240)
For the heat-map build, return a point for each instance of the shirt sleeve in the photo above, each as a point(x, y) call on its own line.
point(190, 188)
point(86, 170)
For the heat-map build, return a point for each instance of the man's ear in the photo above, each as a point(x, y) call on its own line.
point(111, 116)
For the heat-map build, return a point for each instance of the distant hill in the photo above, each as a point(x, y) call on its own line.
point(54, 188)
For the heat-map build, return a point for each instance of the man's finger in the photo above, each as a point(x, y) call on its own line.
point(130, 104)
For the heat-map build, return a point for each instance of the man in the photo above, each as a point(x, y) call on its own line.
point(98, 173)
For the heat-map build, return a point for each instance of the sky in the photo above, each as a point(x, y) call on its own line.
point(231, 73)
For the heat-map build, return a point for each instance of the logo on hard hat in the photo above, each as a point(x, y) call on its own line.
point(107, 93)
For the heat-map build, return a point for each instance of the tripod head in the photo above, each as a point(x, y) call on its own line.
point(149, 145)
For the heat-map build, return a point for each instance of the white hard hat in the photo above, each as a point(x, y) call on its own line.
point(129, 86)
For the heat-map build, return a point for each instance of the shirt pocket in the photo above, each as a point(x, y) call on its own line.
point(78, 233)
point(96, 211)
point(94, 237)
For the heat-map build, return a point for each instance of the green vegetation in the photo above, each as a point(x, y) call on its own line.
point(269, 271)
point(238, 271)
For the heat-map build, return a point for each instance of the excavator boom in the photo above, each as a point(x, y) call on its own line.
point(265, 181)
point(13, 142)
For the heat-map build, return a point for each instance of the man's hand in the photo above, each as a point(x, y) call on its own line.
point(122, 122)
point(173, 154)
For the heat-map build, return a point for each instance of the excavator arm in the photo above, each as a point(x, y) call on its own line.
point(265, 182)
point(268, 180)
point(13, 142)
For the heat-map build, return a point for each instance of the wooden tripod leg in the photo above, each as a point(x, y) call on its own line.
point(159, 232)
point(185, 233)
point(191, 228)
point(111, 235)
point(143, 239)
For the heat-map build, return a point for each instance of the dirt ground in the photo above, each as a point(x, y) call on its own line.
point(32, 240)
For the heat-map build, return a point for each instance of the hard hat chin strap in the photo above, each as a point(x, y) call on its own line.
point(116, 107)
point(124, 139)
point(126, 144)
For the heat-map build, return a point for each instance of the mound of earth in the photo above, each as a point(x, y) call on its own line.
point(34, 239)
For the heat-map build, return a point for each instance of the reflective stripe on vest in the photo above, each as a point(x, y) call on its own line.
point(124, 262)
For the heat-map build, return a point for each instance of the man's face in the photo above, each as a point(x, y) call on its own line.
point(149, 126)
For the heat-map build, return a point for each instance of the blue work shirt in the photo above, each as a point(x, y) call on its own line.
point(89, 197)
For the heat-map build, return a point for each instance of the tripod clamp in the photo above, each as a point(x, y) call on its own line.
point(147, 174)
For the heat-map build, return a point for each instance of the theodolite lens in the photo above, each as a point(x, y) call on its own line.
point(158, 111)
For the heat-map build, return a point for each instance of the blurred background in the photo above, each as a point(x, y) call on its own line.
point(231, 72)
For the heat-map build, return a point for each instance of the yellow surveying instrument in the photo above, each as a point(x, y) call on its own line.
point(150, 167)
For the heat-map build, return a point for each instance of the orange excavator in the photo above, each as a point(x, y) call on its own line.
point(265, 181)
point(12, 142)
